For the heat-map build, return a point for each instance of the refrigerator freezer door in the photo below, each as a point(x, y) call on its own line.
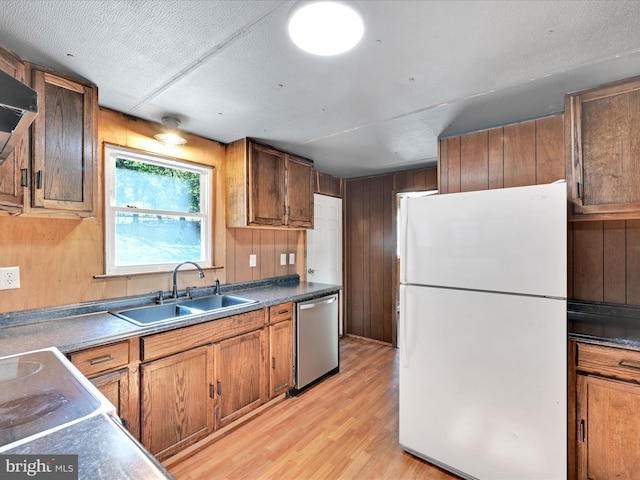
point(505, 240)
point(483, 382)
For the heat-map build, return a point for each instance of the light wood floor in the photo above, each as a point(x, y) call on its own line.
point(345, 427)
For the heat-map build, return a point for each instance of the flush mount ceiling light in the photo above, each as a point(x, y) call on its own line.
point(326, 27)
point(170, 136)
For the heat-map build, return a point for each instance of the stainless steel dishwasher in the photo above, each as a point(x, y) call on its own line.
point(316, 347)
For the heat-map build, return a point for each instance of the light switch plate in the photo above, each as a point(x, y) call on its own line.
point(9, 278)
point(252, 260)
point(283, 259)
point(292, 259)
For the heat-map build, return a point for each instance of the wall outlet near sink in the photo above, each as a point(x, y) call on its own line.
point(9, 278)
point(252, 260)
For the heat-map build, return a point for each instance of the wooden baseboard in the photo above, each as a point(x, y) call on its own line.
point(366, 339)
point(218, 434)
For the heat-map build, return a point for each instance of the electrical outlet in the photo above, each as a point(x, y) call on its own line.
point(9, 278)
point(283, 259)
point(252, 260)
point(292, 259)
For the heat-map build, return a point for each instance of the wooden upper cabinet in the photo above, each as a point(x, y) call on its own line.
point(11, 178)
point(64, 144)
point(267, 205)
point(299, 192)
point(603, 151)
point(267, 187)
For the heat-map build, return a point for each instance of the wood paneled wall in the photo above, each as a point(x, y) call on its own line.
point(58, 258)
point(370, 250)
point(603, 256)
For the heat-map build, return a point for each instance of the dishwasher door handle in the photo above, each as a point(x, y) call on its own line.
point(306, 306)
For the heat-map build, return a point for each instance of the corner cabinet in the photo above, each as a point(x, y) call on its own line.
point(607, 402)
point(267, 187)
point(64, 146)
point(603, 151)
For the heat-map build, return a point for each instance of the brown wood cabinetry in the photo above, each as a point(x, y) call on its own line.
point(11, 174)
point(607, 400)
point(280, 349)
point(267, 187)
point(54, 169)
point(177, 400)
point(64, 143)
point(603, 151)
point(240, 378)
point(199, 378)
point(113, 369)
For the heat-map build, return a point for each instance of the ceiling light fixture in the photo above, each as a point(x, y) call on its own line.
point(326, 27)
point(170, 136)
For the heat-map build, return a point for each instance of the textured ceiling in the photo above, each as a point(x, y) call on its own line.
point(424, 68)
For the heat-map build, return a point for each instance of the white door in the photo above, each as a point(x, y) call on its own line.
point(324, 244)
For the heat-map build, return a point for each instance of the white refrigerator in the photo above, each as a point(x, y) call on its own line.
point(482, 332)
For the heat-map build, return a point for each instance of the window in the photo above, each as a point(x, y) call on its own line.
point(157, 212)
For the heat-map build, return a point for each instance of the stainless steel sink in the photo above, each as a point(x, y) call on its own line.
point(165, 313)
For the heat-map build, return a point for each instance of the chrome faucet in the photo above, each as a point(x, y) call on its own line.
point(174, 292)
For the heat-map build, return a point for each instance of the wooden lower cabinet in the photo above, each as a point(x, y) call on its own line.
point(608, 429)
point(607, 403)
point(115, 387)
point(240, 376)
point(176, 400)
point(280, 349)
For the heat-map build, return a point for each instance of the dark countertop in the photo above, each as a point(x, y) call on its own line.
point(88, 325)
point(116, 455)
point(604, 324)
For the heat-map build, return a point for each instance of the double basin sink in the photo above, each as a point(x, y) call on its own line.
point(170, 311)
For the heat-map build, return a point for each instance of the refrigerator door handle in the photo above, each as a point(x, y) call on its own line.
point(403, 328)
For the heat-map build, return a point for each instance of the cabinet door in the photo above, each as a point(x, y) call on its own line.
point(64, 167)
point(115, 387)
point(604, 152)
point(240, 377)
point(11, 173)
point(177, 408)
point(266, 184)
point(280, 357)
point(608, 429)
point(299, 193)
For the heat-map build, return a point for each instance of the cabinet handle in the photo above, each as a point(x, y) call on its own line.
point(282, 312)
point(273, 362)
point(97, 360)
point(25, 177)
point(578, 188)
point(212, 390)
point(581, 434)
point(39, 180)
point(284, 210)
point(629, 364)
point(219, 387)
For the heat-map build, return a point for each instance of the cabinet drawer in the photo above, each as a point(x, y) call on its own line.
point(174, 341)
point(101, 359)
point(609, 362)
point(279, 313)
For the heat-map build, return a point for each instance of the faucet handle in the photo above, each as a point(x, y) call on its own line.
point(188, 291)
point(160, 299)
point(217, 289)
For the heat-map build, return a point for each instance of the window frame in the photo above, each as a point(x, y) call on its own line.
point(111, 152)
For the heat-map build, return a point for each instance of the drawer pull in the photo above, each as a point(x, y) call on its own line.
point(97, 360)
point(629, 364)
point(282, 312)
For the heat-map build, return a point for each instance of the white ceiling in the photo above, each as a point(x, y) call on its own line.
point(424, 68)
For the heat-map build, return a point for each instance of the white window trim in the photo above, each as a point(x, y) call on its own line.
point(110, 153)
